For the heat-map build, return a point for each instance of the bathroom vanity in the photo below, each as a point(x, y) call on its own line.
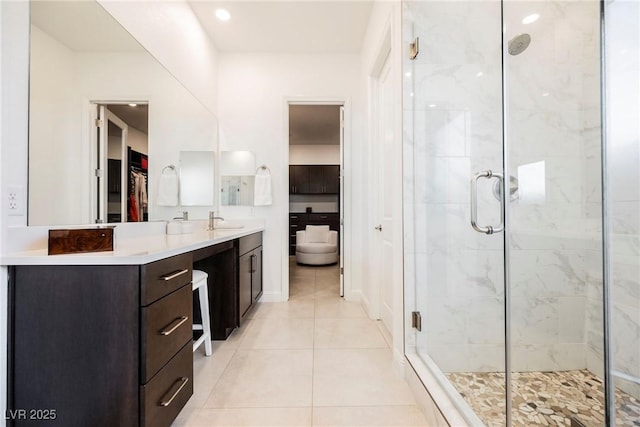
point(105, 339)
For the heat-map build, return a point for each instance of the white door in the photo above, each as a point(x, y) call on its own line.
point(386, 185)
point(110, 145)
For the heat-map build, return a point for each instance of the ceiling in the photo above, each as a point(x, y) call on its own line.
point(137, 117)
point(82, 26)
point(303, 26)
point(314, 124)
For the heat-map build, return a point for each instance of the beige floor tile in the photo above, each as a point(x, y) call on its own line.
point(255, 417)
point(297, 309)
point(328, 270)
point(348, 333)
point(326, 293)
point(265, 378)
point(233, 341)
point(300, 271)
point(206, 373)
point(369, 416)
point(361, 377)
point(338, 308)
point(327, 282)
point(279, 333)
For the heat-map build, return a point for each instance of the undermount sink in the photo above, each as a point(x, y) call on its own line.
point(228, 225)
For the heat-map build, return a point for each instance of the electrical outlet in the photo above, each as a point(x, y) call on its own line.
point(15, 199)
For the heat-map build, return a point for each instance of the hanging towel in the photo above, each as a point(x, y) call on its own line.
point(262, 188)
point(168, 190)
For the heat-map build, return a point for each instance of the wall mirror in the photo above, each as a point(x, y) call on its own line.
point(237, 174)
point(197, 178)
point(85, 71)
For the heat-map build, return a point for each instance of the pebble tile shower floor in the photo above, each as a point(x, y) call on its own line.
point(544, 398)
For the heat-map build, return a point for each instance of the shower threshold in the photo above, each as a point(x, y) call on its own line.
point(544, 398)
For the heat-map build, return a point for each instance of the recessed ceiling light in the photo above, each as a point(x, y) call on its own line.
point(531, 18)
point(408, 74)
point(479, 74)
point(223, 14)
point(545, 93)
point(432, 105)
point(133, 105)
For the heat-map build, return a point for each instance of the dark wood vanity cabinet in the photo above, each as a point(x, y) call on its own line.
point(249, 271)
point(105, 345)
point(111, 345)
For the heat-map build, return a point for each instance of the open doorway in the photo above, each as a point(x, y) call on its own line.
point(316, 195)
point(121, 162)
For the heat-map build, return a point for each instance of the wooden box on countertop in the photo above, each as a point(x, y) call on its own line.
point(79, 240)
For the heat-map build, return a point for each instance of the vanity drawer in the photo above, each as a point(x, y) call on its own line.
point(250, 242)
point(160, 278)
point(166, 327)
point(163, 397)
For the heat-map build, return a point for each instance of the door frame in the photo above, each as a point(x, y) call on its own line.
point(389, 45)
point(378, 246)
point(345, 179)
point(90, 144)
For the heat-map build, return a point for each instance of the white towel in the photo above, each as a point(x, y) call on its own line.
point(262, 188)
point(167, 190)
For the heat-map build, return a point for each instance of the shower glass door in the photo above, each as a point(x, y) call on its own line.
point(453, 117)
point(554, 232)
point(512, 322)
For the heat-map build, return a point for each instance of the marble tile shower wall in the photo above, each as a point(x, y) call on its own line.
point(453, 128)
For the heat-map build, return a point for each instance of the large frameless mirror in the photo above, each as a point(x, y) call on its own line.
point(197, 178)
point(93, 155)
point(237, 175)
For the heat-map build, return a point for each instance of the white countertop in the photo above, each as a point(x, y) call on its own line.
point(139, 250)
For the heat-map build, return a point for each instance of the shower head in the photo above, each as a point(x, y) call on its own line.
point(519, 43)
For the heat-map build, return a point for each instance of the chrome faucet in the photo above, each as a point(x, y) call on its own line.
point(212, 220)
point(184, 217)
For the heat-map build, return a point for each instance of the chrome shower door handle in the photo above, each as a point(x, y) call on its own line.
point(474, 202)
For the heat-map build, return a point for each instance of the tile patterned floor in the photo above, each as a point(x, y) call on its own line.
point(544, 398)
point(315, 360)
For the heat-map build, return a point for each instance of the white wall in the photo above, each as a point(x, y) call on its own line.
point(316, 154)
point(253, 115)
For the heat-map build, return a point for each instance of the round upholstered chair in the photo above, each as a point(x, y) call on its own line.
point(317, 245)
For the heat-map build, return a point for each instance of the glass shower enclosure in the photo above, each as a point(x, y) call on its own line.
point(522, 212)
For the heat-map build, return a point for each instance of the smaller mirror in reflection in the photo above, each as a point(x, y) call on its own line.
point(237, 170)
point(237, 190)
point(197, 178)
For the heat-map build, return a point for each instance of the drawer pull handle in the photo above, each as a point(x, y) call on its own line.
point(183, 382)
point(168, 330)
point(174, 275)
